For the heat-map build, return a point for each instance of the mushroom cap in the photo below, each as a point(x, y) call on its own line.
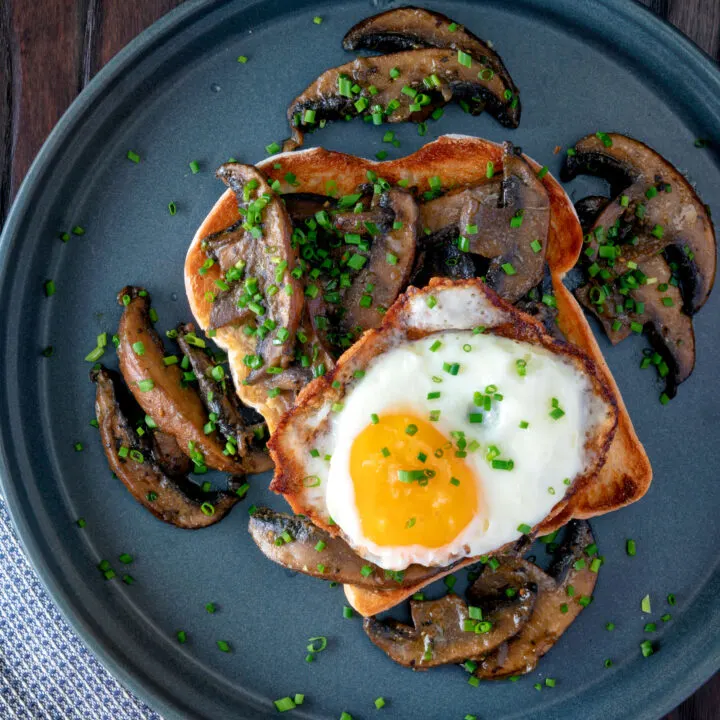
point(633, 168)
point(409, 28)
point(653, 301)
point(174, 500)
point(455, 80)
point(445, 632)
point(555, 609)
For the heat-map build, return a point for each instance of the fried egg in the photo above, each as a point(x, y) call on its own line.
point(451, 444)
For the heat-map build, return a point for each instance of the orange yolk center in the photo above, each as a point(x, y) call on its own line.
point(405, 494)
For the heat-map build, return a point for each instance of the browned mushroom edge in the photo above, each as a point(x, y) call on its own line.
point(421, 81)
point(632, 287)
point(562, 594)
point(660, 203)
point(409, 28)
point(297, 544)
point(243, 428)
point(449, 630)
point(259, 265)
point(174, 500)
point(161, 390)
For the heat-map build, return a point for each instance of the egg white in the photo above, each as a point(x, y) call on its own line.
point(547, 455)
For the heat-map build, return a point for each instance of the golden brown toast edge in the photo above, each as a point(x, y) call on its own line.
point(457, 160)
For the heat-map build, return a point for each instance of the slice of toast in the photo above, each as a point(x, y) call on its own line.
point(457, 160)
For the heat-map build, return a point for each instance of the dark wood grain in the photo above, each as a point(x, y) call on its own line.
point(50, 49)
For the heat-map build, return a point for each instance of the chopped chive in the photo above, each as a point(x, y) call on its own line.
point(645, 604)
point(524, 529)
point(194, 167)
point(347, 612)
point(630, 547)
point(646, 648)
point(242, 59)
point(317, 20)
point(464, 59)
point(284, 704)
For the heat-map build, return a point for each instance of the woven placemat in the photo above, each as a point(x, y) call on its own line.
point(45, 670)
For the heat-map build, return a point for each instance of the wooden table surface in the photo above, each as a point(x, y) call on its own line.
point(49, 50)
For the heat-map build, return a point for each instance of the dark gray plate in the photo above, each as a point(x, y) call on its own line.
point(177, 94)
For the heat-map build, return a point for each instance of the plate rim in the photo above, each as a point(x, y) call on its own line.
point(156, 697)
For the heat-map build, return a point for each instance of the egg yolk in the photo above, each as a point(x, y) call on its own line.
point(410, 488)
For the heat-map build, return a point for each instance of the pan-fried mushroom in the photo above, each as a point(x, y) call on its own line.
point(588, 208)
point(540, 303)
point(631, 289)
point(440, 217)
point(242, 426)
point(449, 631)
point(504, 221)
point(297, 544)
point(158, 387)
point(169, 455)
point(389, 264)
point(409, 28)
point(512, 231)
point(443, 260)
point(563, 592)
point(175, 500)
point(263, 245)
point(665, 205)
point(301, 206)
point(392, 88)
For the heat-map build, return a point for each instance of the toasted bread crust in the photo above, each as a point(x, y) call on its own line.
point(457, 160)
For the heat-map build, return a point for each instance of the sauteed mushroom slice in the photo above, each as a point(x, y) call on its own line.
point(451, 631)
point(263, 284)
point(588, 209)
point(175, 500)
point(670, 206)
point(409, 28)
point(655, 307)
point(633, 289)
point(367, 86)
point(440, 217)
point(169, 455)
point(443, 260)
point(242, 426)
point(388, 266)
point(297, 544)
point(562, 594)
point(304, 205)
point(158, 387)
point(513, 231)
